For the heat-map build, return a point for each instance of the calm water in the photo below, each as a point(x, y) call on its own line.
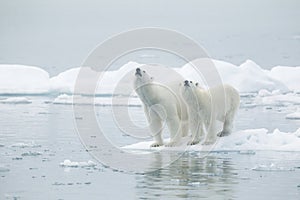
point(58, 35)
point(34, 172)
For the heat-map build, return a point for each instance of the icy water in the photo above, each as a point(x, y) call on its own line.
point(36, 138)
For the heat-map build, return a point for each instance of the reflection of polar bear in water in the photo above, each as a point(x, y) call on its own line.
point(206, 107)
point(162, 102)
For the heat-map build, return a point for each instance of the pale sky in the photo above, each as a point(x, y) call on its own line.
point(59, 34)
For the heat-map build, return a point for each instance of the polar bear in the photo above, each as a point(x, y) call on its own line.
point(162, 103)
point(205, 107)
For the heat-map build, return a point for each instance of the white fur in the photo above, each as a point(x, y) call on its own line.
point(162, 103)
point(205, 107)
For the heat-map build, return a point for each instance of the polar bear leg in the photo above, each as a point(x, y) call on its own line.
point(175, 130)
point(234, 106)
point(184, 128)
point(227, 126)
point(156, 126)
point(156, 129)
point(211, 133)
point(197, 131)
point(228, 123)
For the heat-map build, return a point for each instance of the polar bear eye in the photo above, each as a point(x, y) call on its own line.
point(144, 72)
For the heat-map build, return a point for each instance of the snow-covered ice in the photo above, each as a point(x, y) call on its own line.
point(21, 79)
point(276, 98)
point(266, 141)
point(288, 76)
point(244, 140)
point(248, 77)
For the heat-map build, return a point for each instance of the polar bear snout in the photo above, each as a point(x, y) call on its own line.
point(138, 72)
point(186, 83)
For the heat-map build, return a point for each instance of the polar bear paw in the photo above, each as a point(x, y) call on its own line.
point(193, 142)
point(209, 142)
point(171, 144)
point(223, 133)
point(156, 144)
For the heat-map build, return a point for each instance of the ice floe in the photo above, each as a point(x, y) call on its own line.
point(26, 145)
point(244, 141)
point(69, 163)
point(65, 99)
point(294, 115)
point(16, 100)
point(271, 167)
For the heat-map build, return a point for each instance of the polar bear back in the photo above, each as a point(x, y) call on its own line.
point(224, 98)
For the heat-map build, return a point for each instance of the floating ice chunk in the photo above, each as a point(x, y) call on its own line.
point(30, 153)
point(64, 99)
point(271, 167)
point(26, 145)
point(69, 163)
point(278, 99)
point(97, 101)
point(12, 196)
point(264, 93)
point(58, 183)
point(295, 115)
point(15, 100)
point(247, 152)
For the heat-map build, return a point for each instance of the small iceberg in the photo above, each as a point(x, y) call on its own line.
point(69, 163)
point(25, 145)
point(31, 154)
point(15, 100)
point(294, 116)
point(65, 99)
point(271, 167)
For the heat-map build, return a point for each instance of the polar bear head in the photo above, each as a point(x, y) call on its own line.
point(188, 90)
point(142, 77)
